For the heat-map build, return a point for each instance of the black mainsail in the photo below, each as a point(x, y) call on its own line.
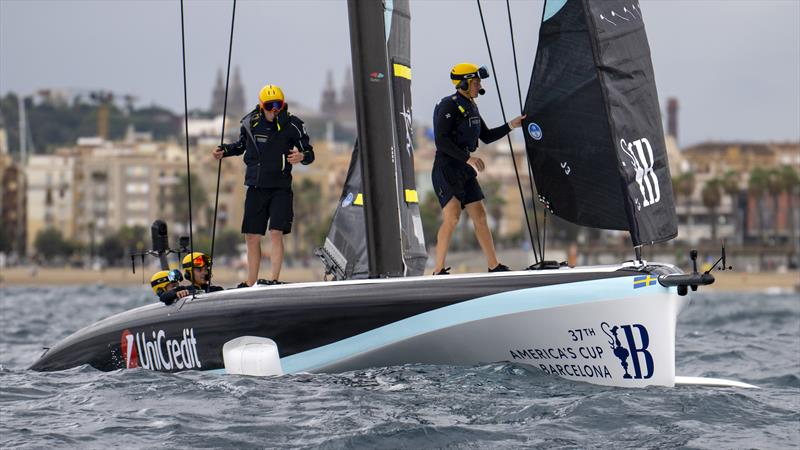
point(394, 244)
point(593, 129)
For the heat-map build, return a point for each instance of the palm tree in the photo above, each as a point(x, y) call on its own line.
point(494, 203)
point(683, 185)
point(712, 196)
point(790, 182)
point(730, 185)
point(180, 202)
point(775, 188)
point(757, 187)
point(307, 199)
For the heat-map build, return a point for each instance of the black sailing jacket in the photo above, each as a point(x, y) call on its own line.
point(266, 145)
point(457, 126)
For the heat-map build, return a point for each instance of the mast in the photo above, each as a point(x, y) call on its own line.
point(376, 137)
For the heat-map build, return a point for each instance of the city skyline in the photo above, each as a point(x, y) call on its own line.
point(735, 70)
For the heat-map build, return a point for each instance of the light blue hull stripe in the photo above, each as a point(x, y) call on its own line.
point(511, 302)
point(551, 7)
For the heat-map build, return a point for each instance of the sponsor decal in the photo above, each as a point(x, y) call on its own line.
point(644, 281)
point(348, 200)
point(641, 359)
point(376, 76)
point(640, 154)
point(535, 131)
point(157, 352)
point(589, 357)
point(129, 353)
point(406, 114)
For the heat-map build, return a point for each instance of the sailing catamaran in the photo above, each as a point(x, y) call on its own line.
point(596, 146)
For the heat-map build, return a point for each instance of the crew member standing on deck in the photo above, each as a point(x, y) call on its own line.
point(457, 126)
point(272, 141)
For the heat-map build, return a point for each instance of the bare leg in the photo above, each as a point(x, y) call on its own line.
point(253, 257)
point(276, 252)
point(477, 212)
point(450, 215)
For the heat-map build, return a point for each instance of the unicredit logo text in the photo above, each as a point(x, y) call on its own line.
point(160, 353)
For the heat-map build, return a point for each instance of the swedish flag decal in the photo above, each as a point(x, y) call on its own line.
point(644, 281)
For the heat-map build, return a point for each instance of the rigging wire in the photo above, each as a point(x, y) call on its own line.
point(186, 136)
point(222, 135)
point(508, 136)
point(527, 157)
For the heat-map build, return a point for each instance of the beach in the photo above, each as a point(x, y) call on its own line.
point(788, 281)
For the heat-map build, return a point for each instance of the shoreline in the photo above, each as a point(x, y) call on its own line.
point(728, 281)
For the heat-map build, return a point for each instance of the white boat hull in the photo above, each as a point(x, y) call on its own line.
point(565, 330)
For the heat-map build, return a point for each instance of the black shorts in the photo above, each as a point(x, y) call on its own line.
point(449, 182)
point(262, 205)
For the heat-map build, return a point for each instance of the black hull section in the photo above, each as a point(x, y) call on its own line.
point(190, 334)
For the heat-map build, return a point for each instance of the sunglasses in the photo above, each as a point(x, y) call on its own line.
point(200, 261)
point(272, 105)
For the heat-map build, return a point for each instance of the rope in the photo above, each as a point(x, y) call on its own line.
point(508, 136)
point(527, 157)
point(186, 134)
point(222, 136)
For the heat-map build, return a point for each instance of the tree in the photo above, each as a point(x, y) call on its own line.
point(775, 188)
point(133, 239)
point(712, 197)
point(684, 187)
point(494, 202)
point(307, 203)
point(790, 182)
point(730, 185)
point(430, 213)
point(5, 241)
point(180, 201)
point(60, 124)
point(111, 250)
point(227, 243)
point(50, 244)
point(757, 186)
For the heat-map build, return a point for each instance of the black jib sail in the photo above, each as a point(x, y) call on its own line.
point(593, 128)
point(346, 253)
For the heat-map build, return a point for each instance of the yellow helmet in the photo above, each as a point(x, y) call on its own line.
point(195, 260)
point(270, 93)
point(159, 281)
point(462, 73)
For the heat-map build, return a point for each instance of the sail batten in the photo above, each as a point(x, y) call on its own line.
point(593, 126)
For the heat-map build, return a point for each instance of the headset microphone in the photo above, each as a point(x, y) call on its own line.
point(481, 91)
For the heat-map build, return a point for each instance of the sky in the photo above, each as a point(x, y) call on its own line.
point(734, 65)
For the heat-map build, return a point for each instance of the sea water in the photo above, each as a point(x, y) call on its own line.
point(753, 338)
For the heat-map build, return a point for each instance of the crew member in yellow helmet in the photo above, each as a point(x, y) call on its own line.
point(272, 141)
point(197, 270)
point(457, 126)
point(166, 285)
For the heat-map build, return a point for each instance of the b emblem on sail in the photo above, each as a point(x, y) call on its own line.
point(640, 152)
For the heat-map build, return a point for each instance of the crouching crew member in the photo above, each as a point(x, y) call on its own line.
point(457, 126)
point(165, 284)
point(272, 141)
point(197, 270)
